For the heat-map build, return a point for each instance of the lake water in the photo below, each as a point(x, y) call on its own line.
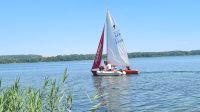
point(166, 84)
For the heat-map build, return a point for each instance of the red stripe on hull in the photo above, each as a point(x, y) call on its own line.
point(128, 72)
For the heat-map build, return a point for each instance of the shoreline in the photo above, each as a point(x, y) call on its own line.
point(13, 59)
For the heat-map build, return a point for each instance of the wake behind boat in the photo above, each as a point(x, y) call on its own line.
point(116, 52)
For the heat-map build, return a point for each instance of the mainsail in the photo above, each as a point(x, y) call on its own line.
point(99, 53)
point(116, 51)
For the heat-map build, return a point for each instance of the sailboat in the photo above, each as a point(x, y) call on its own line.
point(116, 51)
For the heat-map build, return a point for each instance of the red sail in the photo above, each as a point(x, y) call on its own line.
point(99, 53)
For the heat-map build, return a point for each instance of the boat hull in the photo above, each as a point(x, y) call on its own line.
point(128, 72)
point(110, 73)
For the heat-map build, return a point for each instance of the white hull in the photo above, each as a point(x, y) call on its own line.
point(110, 73)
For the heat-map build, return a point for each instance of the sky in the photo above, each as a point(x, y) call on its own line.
point(58, 27)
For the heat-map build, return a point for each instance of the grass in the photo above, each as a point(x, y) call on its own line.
point(52, 97)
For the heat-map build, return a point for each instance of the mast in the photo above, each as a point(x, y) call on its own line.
point(106, 34)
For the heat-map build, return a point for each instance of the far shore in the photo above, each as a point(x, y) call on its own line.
point(5, 59)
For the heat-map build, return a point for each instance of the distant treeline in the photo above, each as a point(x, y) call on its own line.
point(39, 58)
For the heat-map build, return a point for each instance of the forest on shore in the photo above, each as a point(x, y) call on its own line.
point(39, 58)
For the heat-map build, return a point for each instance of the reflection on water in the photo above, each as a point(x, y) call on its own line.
point(115, 91)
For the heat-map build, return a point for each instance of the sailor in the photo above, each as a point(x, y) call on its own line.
point(108, 65)
point(101, 68)
point(128, 67)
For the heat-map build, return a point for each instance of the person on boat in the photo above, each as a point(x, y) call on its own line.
point(108, 66)
point(128, 68)
point(101, 68)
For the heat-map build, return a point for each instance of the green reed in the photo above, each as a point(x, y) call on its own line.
point(52, 97)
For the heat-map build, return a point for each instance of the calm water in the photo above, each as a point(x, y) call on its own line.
point(166, 84)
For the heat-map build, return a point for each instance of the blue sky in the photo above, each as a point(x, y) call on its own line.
point(54, 27)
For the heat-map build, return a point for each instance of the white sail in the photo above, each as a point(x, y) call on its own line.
point(116, 51)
